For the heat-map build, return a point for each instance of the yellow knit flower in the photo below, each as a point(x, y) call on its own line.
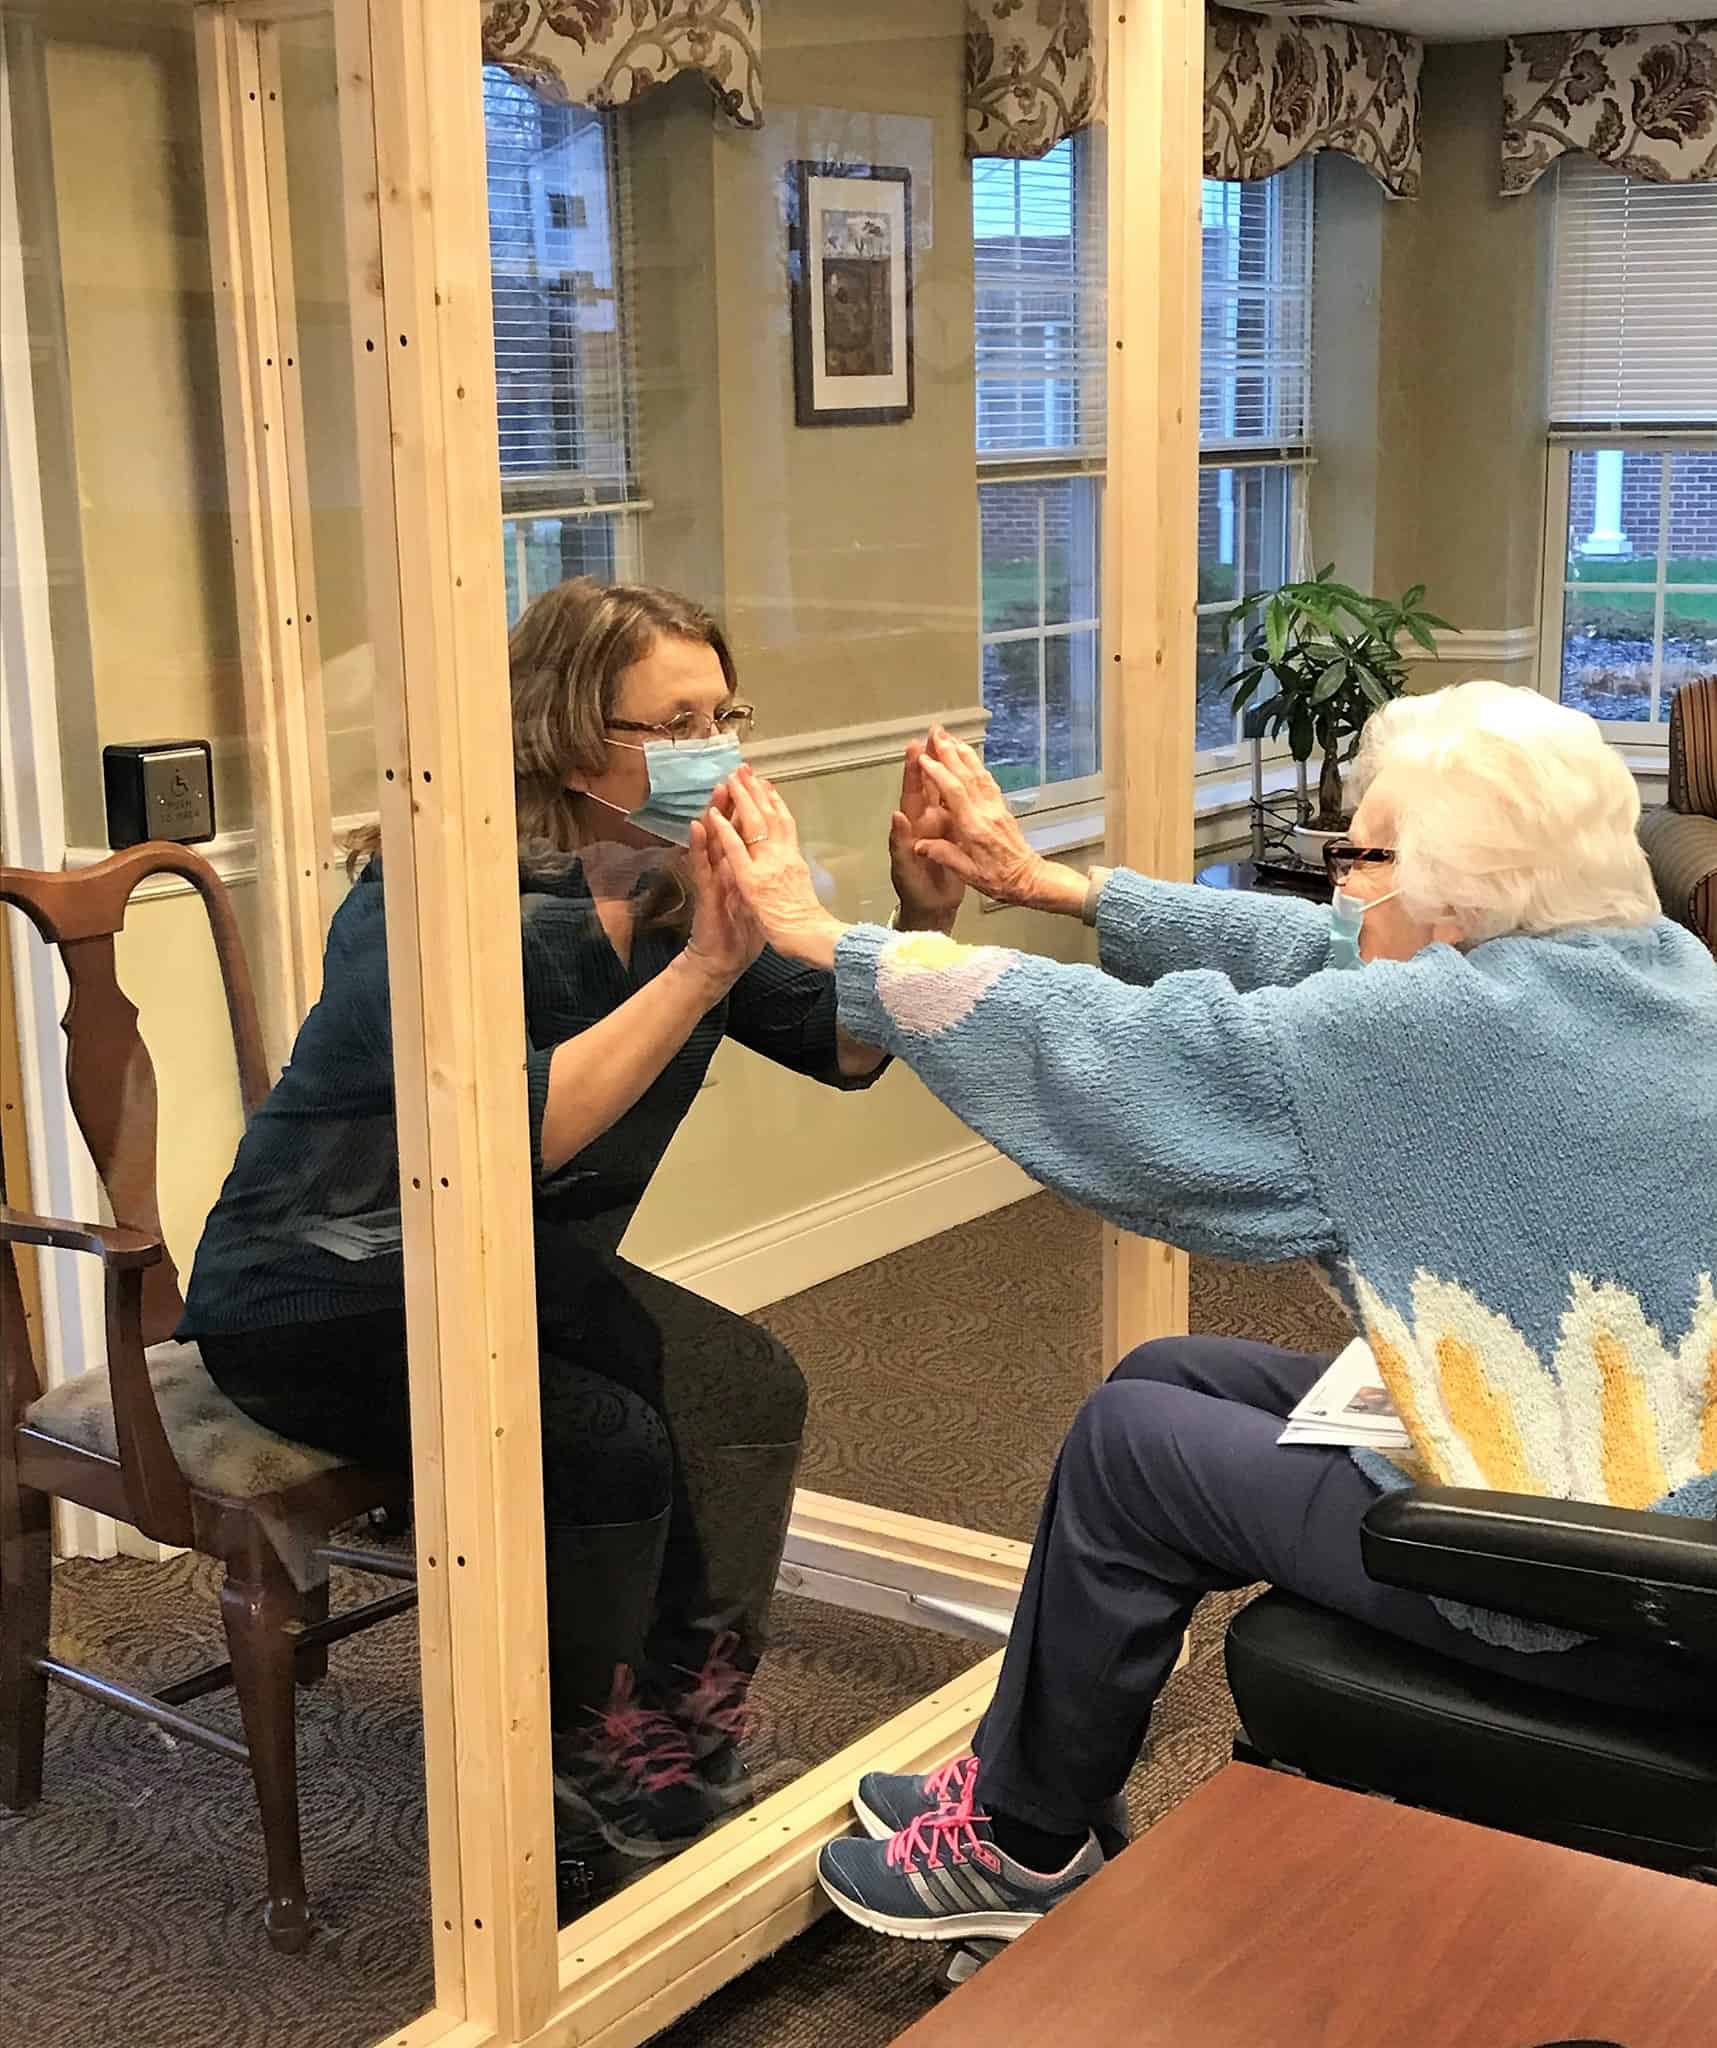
point(1616, 1415)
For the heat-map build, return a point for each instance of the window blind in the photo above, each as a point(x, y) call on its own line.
point(1633, 309)
point(1255, 374)
point(558, 235)
point(1039, 255)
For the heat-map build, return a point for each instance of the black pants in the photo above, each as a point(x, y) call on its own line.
point(671, 1434)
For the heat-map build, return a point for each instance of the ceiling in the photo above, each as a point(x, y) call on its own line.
point(1475, 20)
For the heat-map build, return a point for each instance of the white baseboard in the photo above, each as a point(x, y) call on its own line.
point(753, 1268)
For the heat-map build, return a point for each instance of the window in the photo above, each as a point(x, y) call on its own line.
point(563, 368)
point(1254, 415)
point(1631, 558)
point(1039, 235)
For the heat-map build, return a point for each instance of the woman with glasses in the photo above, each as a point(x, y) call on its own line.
point(671, 1428)
point(1480, 1091)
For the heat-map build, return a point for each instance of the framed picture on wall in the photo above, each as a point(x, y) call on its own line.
point(850, 262)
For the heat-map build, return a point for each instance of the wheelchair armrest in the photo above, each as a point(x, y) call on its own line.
point(1600, 1570)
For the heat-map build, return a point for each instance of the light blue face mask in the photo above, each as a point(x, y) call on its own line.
point(1346, 916)
point(683, 778)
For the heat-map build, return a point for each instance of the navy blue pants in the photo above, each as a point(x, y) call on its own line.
point(1171, 1484)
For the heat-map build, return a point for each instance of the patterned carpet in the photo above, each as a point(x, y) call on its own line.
point(128, 1898)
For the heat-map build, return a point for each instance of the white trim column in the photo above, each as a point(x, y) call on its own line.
point(32, 830)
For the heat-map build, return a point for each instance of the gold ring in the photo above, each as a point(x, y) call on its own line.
point(758, 841)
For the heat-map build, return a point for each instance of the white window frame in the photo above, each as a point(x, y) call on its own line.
point(1640, 734)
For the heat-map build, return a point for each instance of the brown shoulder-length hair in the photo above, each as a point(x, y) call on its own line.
point(566, 657)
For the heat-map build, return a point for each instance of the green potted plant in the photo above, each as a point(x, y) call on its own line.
point(1332, 656)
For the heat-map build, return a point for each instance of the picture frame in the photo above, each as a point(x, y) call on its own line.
point(850, 269)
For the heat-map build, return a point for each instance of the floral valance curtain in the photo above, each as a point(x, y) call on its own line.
point(605, 53)
point(1034, 72)
point(1642, 99)
point(1274, 91)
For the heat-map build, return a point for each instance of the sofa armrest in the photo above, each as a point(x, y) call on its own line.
point(1682, 849)
point(1601, 1570)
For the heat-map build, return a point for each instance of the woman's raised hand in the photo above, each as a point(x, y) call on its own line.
point(725, 938)
point(753, 835)
point(930, 893)
point(980, 840)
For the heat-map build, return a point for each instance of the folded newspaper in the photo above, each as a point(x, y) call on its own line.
point(1349, 1405)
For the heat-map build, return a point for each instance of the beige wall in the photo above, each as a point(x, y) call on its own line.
point(1430, 378)
point(140, 356)
point(843, 559)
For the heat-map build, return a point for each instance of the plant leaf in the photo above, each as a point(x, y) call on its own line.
point(1276, 628)
point(1244, 685)
point(1372, 687)
point(1333, 678)
point(1300, 734)
point(1422, 633)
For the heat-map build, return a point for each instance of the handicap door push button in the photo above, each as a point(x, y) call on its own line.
point(159, 789)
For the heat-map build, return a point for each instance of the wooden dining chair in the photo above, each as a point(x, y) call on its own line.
point(147, 1437)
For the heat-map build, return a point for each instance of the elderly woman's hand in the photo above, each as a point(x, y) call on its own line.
point(763, 869)
point(981, 841)
point(929, 893)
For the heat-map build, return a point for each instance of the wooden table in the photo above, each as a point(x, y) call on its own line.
point(1269, 1912)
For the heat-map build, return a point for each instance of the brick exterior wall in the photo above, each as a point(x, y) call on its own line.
point(1692, 510)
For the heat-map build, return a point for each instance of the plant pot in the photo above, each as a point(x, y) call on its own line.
point(1309, 844)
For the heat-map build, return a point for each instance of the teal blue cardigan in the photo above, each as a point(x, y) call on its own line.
point(1503, 1158)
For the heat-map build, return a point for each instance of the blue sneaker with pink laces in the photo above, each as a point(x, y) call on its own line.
point(942, 1878)
point(886, 1802)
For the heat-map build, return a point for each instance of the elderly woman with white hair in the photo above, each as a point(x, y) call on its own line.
point(1497, 1140)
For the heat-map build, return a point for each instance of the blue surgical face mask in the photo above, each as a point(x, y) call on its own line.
point(683, 778)
point(1346, 916)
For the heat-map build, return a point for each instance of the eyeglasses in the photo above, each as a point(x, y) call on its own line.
point(1341, 857)
point(732, 723)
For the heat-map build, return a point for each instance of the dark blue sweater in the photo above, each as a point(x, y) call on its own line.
point(307, 1227)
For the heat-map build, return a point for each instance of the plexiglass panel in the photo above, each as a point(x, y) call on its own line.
point(179, 223)
point(742, 514)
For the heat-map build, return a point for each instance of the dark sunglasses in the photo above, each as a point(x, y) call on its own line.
point(1341, 857)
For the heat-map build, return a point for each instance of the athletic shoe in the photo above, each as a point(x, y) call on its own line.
point(944, 1879)
point(712, 1707)
point(886, 1803)
point(629, 1780)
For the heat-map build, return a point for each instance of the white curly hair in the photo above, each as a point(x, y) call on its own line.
point(1511, 813)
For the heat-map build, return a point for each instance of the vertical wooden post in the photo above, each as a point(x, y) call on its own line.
point(1156, 116)
point(283, 698)
point(423, 348)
